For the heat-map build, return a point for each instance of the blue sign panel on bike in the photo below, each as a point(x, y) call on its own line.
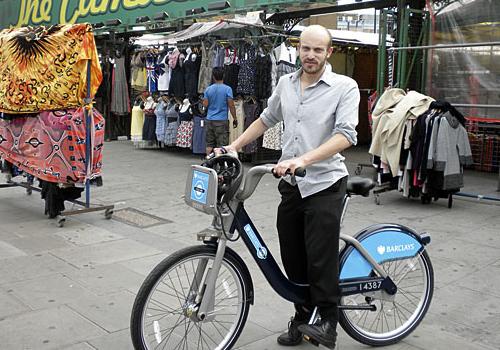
point(382, 246)
point(260, 249)
point(199, 187)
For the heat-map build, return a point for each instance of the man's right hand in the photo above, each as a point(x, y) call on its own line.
point(226, 150)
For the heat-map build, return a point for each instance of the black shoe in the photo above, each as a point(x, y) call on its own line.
point(324, 332)
point(292, 337)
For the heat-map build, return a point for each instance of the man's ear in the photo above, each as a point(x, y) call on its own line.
point(329, 52)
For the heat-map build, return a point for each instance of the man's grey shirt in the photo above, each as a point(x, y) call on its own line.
point(310, 119)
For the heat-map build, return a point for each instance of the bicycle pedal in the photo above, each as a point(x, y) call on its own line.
point(311, 340)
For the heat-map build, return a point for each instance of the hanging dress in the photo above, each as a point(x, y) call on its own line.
point(137, 124)
point(191, 75)
point(161, 120)
point(172, 117)
point(205, 70)
point(120, 102)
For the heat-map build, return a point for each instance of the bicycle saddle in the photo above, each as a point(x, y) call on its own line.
point(360, 185)
point(229, 172)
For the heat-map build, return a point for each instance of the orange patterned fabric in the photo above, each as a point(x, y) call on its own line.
point(45, 68)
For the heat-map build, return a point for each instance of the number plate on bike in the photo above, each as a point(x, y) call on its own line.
point(201, 189)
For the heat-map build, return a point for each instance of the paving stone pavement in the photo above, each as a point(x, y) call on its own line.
point(73, 287)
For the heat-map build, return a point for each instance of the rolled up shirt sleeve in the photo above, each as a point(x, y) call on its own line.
point(272, 114)
point(347, 114)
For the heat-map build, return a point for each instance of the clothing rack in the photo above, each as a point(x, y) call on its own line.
point(87, 207)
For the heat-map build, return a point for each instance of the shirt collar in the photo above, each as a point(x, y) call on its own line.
point(326, 77)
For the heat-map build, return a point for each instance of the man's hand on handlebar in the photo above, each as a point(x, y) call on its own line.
point(288, 167)
point(225, 150)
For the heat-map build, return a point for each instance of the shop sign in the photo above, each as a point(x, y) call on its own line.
point(18, 13)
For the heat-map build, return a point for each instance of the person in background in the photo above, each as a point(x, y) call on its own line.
point(320, 112)
point(218, 99)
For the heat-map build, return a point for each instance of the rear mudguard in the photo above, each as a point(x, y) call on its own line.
point(384, 242)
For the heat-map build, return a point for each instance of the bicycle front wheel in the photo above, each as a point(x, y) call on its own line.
point(163, 316)
point(395, 316)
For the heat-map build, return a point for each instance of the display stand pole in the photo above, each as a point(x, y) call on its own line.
point(88, 137)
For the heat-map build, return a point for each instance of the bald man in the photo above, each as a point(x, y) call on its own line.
point(320, 113)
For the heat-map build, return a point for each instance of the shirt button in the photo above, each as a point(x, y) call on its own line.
point(298, 121)
point(296, 138)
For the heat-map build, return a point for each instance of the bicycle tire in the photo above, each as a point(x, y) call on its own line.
point(230, 265)
point(362, 335)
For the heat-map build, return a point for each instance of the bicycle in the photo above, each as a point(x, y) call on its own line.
point(199, 297)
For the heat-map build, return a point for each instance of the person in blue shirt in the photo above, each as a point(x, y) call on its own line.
point(218, 99)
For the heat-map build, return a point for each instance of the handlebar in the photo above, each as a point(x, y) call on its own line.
point(254, 175)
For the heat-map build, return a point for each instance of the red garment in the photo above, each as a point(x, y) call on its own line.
point(51, 146)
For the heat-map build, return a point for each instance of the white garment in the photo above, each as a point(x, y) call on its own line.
point(164, 79)
point(273, 137)
point(287, 54)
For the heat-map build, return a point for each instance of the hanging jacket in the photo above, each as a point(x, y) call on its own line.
point(393, 110)
point(449, 151)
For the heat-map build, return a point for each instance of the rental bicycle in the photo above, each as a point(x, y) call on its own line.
point(199, 297)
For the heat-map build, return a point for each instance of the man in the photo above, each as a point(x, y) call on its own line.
point(218, 98)
point(320, 113)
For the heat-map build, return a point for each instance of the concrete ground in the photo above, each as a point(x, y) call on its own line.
point(72, 288)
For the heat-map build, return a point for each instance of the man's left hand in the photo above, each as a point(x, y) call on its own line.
point(291, 164)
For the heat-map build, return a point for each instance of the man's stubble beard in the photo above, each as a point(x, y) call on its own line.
point(320, 66)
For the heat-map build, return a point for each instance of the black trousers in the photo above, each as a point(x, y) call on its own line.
point(309, 231)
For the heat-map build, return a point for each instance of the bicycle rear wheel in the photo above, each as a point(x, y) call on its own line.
point(395, 316)
point(164, 309)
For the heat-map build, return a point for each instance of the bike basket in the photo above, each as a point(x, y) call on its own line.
point(201, 189)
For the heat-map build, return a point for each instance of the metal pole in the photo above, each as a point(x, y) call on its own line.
point(474, 105)
point(88, 138)
point(444, 46)
point(404, 54)
point(382, 37)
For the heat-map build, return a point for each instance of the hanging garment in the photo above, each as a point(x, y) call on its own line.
point(172, 117)
point(199, 135)
point(273, 136)
point(205, 75)
point(152, 73)
point(393, 109)
point(246, 75)
point(286, 54)
point(137, 124)
point(284, 68)
point(234, 133)
point(231, 76)
point(450, 151)
point(231, 56)
point(163, 70)
point(138, 73)
point(191, 75)
point(177, 87)
point(274, 71)
point(263, 85)
point(185, 134)
point(218, 53)
point(120, 101)
point(251, 112)
point(51, 147)
point(149, 127)
point(45, 68)
point(161, 120)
